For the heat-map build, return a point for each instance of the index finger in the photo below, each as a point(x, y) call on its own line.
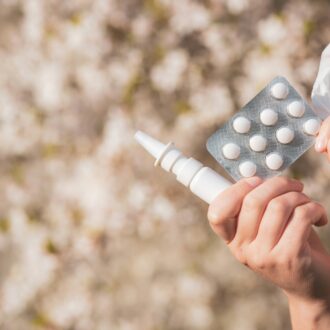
point(227, 205)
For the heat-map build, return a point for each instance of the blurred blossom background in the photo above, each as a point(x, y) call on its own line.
point(91, 235)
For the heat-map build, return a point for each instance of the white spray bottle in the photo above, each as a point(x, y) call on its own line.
point(201, 180)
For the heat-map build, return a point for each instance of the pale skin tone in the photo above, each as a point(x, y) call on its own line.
point(268, 226)
point(322, 144)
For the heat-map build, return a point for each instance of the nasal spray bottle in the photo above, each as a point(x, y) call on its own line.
point(201, 180)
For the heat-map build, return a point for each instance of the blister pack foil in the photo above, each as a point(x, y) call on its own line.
point(300, 124)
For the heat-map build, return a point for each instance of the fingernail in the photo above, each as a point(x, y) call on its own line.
point(254, 181)
point(320, 144)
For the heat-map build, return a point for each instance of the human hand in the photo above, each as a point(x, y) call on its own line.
point(321, 102)
point(322, 143)
point(268, 227)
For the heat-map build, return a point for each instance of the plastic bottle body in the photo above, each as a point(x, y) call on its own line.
point(208, 184)
point(202, 181)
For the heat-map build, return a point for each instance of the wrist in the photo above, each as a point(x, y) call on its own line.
point(308, 314)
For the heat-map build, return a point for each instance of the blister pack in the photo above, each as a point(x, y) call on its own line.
point(267, 135)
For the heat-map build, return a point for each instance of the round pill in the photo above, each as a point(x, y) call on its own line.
point(296, 109)
point(274, 161)
point(269, 117)
point(279, 91)
point(241, 125)
point(247, 169)
point(258, 143)
point(312, 126)
point(285, 135)
point(231, 150)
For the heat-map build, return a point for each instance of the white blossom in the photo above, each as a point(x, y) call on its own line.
point(272, 30)
point(168, 75)
point(91, 235)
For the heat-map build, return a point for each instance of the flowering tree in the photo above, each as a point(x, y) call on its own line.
point(91, 236)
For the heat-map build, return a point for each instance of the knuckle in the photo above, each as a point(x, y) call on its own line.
point(259, 261)
point(251, 201)
point(318, 210)
point(241, 258)
point(282, 180)
point(213, 215)
point(318, 206)
point(299, 197)
point(278, 205)
point(286, 262)
point(302, 212)
point(239, 253)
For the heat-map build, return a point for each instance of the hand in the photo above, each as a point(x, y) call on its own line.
point(321, 88)
point(268, 227)
point(322, 143)
point(321, 102)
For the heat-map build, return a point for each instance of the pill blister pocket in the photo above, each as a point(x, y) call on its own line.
point(267, 135)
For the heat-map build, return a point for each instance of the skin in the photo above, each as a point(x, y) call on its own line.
point(322, 144)
point(268, 226)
